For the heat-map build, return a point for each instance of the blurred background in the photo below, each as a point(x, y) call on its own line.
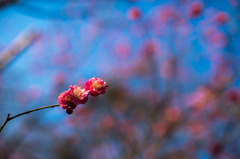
point(172, 67)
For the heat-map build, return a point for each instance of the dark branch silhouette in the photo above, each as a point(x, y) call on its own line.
point(27, 112)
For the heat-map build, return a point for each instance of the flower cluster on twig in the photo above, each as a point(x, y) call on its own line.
point(75, 95)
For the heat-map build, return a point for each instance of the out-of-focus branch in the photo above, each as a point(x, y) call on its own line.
point(17, 45)
point(5, 3)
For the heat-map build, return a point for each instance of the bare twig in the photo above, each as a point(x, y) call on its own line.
point(27, 112)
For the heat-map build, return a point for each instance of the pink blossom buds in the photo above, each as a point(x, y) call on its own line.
point(75, 95)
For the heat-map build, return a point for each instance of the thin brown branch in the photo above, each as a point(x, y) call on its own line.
point(27, 112)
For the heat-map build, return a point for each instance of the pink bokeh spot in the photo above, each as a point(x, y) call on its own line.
point(134, 13)
point(221, 18)
point(195, 9)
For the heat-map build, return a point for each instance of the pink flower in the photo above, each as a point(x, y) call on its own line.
point(78, 95)
point(75, 95)
point(64, 99)
point(95, 86)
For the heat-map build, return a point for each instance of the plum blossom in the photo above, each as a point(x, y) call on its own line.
point(64, 99)
point(95, 86)
point(75, 95)
point(78, 95)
